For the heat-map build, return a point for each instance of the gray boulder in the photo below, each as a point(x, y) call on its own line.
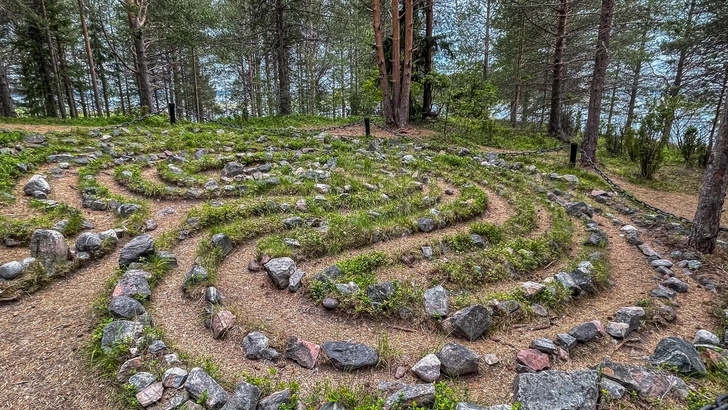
point(136, 249)
point(223, 242)
point(126, 307)
point(198, 382)
point(705, 337)
point(428, 368)
point(256, 347)
point(470, 323)
point(457, 360)
point(557, 390)
point(470, 406)
point(37, 183)
point(88, 242)
point(11, 270)
point(127, 210)
point(676, 284)
point(631, 315)
point(679, 353)
point(425, 224)
point(415, 394)
point(436, 302)
point(280, 271)
point(587, 331)
point(135, 286)
point(196, 275)
point(566, 341)
point(350, 356)
point(379, 293)
point(141, 380)
point(233, 169)
point(275, 400)
point(582, 278)
point(120, 332)
point(49, 247)
point(330, 273)
point(645, 382)
point(568, 282)
point(296, 280)
point(245, 397)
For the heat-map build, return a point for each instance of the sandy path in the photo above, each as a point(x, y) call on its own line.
point(41, 129)
point(678, 203)
point(45, 333)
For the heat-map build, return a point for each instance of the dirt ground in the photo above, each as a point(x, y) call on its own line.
point(44, 334)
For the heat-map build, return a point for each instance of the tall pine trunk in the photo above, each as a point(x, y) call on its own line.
point(517, 85)
point(7, 107)
point(706, 223)
point(140, 50)
point(284, 76)
point(718, 110)
point(381, 64)
point(54, 62)
point(429, 55)
point(555, 126)
point(674, 91)
point(90, 57)
point(404, 103)
point(596, 92)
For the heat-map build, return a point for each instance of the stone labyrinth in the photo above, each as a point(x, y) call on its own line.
point(263, 268)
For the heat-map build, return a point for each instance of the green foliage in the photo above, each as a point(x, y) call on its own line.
point(612, 140)
point(689, 144)
point(649, 144)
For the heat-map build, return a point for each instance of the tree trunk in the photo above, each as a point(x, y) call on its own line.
point(636, 80)
point(7, 107)
point(142, 69)
point(429, 54)
point(284, 76)
point(396, 60)
point(404, 95)
point(717, 115)
point(596, 92)
point(677, 84)
point(177, 80)
point(195, 87)
point(486, 51)
point(91, 68)
point(706, 223)
point(121, 90)
point(387, 108)
point(517, 85)
point(54, 61)
point(104, 89)
point(555, 127)
point(613, 98)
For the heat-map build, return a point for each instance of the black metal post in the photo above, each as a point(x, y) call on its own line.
point(367, 126)
point(572, 154)
point(172, 114)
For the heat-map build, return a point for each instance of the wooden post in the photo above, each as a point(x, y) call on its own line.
point(572, 155)
point(367, 127)
point(172, 114)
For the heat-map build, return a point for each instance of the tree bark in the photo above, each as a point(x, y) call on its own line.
point(54, 61)
point(142, 69)
point(7, 107)
point(91, 68)
point(429, 54)
point(517, 85)
point(679, 72)
point(706, 223)
point(396, 59)
point(718, 110)
point(195, 87)
point(596, 92)
point(555, 127)
point(284, 76)
point(381, 64)
point(404, 103)
point(486, 51)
